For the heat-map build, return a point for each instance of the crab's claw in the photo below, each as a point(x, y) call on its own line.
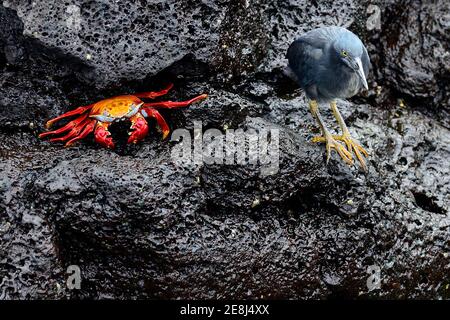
point(139, 128)
point(103, 136)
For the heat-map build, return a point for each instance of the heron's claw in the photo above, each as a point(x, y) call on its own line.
point(352, 147)
point(331, 143)
point(356, 148)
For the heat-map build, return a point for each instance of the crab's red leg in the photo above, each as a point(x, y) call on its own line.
point(72, 124)
point(152, 113)
point(103, 136)
point(87, 129)
point(78, 110)
point(175, 104)
point(154, 94)
point(140, 128)
point(75, 131)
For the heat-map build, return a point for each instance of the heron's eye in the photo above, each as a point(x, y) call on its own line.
point(344, 53)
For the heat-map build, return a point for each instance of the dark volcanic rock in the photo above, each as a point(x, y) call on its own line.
point(415, 50)
point(29, 264)
point(140, 225)
point(151, 228)
point(23, 100)
point(123, 39)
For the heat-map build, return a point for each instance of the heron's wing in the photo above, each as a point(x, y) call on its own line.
point(302, 59)
point(365, 61)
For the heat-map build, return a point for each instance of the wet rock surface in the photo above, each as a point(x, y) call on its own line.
point(415, 52)
point(141, 226)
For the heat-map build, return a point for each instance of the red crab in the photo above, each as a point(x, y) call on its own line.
point(98, 116)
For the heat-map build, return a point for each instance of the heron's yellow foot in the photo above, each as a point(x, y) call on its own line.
point(352, 146)
point(331, 143)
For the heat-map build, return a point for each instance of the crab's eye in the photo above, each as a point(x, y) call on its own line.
point(344, 53)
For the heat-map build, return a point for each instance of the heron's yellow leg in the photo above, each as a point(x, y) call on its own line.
point(326, 137)
point(352, 145)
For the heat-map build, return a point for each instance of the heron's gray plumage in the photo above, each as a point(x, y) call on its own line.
point(320, 70)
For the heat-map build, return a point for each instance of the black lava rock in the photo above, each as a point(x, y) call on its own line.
point(140, 225)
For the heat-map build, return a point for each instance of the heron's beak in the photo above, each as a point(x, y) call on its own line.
point(360, 73)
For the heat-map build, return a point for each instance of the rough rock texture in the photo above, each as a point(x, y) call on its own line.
point(29, 263)
point(141, 226)
point(416, 49)
point(123, 39)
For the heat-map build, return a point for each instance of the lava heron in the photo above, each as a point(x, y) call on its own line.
point(330, 63)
